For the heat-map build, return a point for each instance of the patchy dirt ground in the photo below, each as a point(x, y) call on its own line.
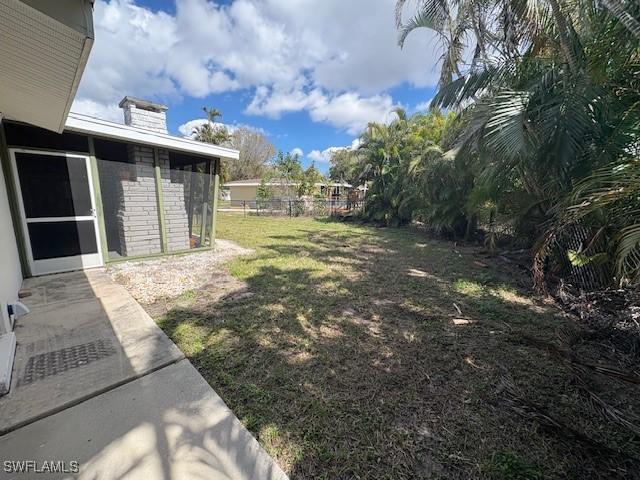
point(150, 281)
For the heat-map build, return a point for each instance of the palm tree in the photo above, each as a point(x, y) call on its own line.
point(210, 132)
point(212, 114)
point(554, 107)
point(216, 135)
point(384, 161)
point(398, 161)
point(451, 21)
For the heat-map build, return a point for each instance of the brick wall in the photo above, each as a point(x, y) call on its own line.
point(138, 221)
point(143, 118)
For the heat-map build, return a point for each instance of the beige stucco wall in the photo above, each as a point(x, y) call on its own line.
point(239, 193)
point(10, 272)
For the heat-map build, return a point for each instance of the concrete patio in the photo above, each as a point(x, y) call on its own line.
point(95, 381)
point(85, 334)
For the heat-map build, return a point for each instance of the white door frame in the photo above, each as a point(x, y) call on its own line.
point(61, 264)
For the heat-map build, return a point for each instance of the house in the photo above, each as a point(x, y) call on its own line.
point(98, 390)
point(77, 192)
point(45, 47)
point(245, 192)
point(102, 192)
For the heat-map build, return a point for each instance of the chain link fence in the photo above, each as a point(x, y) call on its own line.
point(312, 207)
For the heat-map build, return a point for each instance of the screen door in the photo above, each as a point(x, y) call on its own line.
point(58, 211)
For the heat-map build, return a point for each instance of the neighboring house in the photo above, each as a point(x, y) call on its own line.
point(79, 192)
point(225, 194)
point(243, 192)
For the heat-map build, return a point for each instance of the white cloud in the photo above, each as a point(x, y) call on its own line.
point(423, 106)
point(350, 111)
point(297, 151)
point(320, 156)
point(127, 56)
point(359, 43)
point(274, 104)
point(187, 128)
point(347, 111)
point(96, 109)
point(330, 58)
point(324, 156)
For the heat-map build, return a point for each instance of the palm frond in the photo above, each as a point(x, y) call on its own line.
point(623, 13)
point(628, 252)
point(505, 131)
point(432, 15)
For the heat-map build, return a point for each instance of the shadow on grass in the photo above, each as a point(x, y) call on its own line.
point(375, 353)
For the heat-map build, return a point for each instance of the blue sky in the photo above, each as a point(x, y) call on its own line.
point(309, 74)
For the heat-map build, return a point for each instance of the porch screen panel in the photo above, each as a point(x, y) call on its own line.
point(129, 202)
point(62, 239)
point(188, 200)
point(53, 185)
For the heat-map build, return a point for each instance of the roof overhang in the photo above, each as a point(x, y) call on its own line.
point(44, 47)
point(103, 128)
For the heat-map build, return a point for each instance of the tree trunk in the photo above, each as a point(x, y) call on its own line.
point(471, 226)
point(563, 30)
point(480, 38)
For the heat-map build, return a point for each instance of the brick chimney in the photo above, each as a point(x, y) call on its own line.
point(144, 114)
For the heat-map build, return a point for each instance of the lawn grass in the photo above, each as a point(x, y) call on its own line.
point(363, 352)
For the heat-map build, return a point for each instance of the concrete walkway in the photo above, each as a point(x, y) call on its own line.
point(98, 383)
point(85, 334)
point(166, 425)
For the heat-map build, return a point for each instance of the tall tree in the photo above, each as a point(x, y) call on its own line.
point(345, 166)
point(310, 178)
point(451, 20)
point(255, 153)
point(215, 134)
point(211, 132)
point(287, 171)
